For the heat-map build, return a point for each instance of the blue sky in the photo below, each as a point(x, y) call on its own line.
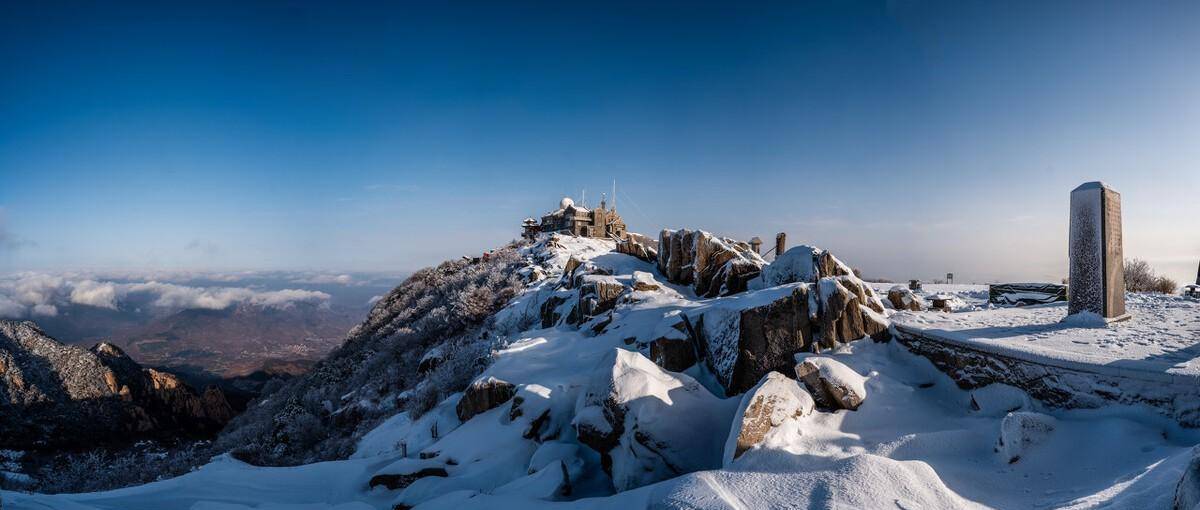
point(912, 138)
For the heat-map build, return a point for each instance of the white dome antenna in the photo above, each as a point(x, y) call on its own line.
point(565, 203)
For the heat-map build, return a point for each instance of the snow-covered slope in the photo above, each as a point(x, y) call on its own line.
point(579, 409)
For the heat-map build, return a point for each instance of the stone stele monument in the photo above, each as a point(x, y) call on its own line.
point(1097, 280)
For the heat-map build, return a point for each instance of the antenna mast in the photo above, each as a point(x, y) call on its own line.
point(614, 195)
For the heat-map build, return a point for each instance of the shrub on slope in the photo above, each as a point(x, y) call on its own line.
point(321, 415)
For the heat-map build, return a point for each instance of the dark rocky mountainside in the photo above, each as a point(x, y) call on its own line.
point(379, 369)
point(59, 396)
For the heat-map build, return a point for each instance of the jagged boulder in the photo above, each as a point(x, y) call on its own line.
point(847, 308)
point(673, 347)
point(1022, 430)
point(484, 395)
point(713, 266)
point(550, 310)
point(741, 345)
point(775, 401)
point(639, 246)
point(903, 298)
point(649, 424)
point(597, 295)
point(849, 311)
point(832, 384)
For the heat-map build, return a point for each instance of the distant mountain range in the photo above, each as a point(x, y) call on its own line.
point(237, 326)
point(61, 396)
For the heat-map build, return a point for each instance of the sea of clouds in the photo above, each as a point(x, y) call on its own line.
point(39, 294)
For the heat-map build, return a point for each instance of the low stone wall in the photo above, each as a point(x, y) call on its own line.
point(1056, 386)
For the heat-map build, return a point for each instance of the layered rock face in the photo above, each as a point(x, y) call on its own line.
point(53, 395)
point(713, 266)
point(820, 304)
point(639, 246)
point(585, 290)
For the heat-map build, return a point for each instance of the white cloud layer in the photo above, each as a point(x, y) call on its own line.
point(26, 295)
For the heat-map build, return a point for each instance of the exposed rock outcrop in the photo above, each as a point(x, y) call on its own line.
point(54, 395)
point(482, 396)
point(823, 305)
point(903, 298)
point(638, 246)
point(832, 384)
point(648, 424)
point(713, 266)
point(772, 403)
point(741, 345)
point(597, 295)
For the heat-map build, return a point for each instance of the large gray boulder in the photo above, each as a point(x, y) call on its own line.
point(832, 384)
point(903, 298)
point(484, 395)
point(774, 402)
point(742, 345)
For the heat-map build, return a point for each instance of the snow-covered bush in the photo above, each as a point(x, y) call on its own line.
point(1140, 277)
point(320, 415)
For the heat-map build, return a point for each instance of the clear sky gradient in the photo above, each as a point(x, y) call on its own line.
point(912, 138)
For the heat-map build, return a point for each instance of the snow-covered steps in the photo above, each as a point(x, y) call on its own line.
point(1152, 359)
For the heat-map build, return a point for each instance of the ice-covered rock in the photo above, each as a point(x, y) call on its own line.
point(549, 483)
point(673, 347)
point(597, 294)
point(798, 264)
point(649, 424)
point(484, 395)
point(1022, 430)
point(645, 282)
point(774, 401)
point(394, 481)
point(1187, 492)
point(903, 298)
point(999, 399)
point(832, 384)
point(713, 266)
point(552, 309)
point(546, 412)
point(741, 345)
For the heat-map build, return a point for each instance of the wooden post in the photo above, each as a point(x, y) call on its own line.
point(780, 244)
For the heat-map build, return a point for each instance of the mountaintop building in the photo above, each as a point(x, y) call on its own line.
point(578, 221)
